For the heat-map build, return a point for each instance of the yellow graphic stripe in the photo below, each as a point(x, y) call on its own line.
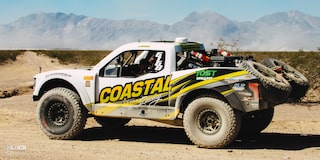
point(143, 99)
point(227, 91)
point(174, 89)
point(180, 78)
point(203, 83)
point(171, 115)
point(179, 86)
point(109, 108)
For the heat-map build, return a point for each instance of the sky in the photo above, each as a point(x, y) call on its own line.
point(160, 11)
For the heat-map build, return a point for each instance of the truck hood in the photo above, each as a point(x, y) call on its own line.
point(64, 73)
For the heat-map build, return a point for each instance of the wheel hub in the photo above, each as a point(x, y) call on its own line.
point(208, 121)
point(58, 114)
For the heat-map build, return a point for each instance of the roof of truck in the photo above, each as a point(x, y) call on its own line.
point(181, 44)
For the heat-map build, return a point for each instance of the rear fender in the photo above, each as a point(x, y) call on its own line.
point(226, 95)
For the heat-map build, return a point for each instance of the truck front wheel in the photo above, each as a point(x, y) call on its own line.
point(211, 123)
point(60, 114)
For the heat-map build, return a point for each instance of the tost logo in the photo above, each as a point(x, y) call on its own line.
point(135, 90)
point(205, 74)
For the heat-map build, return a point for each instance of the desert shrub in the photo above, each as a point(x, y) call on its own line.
point(83, 57)
point(6, 55)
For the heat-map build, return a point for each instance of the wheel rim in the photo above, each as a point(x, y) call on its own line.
point(58, 114)
point(264, 71)
point(269, 73)
point(292, 75)
point(209, 122)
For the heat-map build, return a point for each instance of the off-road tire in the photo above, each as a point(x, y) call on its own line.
point(275, 89)
point(61, 114)
point(253, 123)
point(211, 123)
point(107, 122)
point(299, 83)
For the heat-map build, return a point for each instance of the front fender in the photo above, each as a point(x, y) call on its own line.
point(49, 80)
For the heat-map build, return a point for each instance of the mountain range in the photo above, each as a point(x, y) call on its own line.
point(285, 31)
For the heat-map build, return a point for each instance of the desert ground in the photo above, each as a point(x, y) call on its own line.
point(294, 133)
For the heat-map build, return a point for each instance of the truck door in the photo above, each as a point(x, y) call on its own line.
point(135, 77)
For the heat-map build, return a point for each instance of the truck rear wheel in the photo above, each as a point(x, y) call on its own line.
point(211, 123)
point(61, 114)
point(254, 123)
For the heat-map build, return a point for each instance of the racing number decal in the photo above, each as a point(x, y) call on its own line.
point(159, 62)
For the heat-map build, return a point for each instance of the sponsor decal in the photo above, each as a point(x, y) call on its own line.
point(135, 90)
point(190, 47)
point(205, 74)
point(58, 74)
point(88, 78)
point(87, 84)
point(239, 86)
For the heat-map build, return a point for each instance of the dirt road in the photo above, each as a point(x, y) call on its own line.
point(294, 133)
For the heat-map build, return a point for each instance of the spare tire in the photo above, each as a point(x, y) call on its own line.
point(299, 83)
point(275, 89)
